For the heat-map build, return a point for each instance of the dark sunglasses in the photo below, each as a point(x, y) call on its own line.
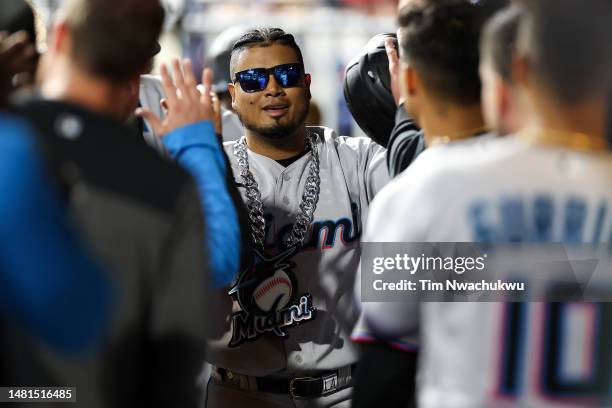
point(256, 79)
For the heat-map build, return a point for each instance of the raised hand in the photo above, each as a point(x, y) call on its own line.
point(185, 104)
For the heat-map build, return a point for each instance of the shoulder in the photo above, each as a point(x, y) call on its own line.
point(358, 149)
point(151, 92)
point(106, 153)
point(460, 158)
point(439, 176)
point(330, 138)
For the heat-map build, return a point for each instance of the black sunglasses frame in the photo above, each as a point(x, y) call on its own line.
point(268, 72)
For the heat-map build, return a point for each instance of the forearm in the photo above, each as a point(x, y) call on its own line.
point(405, 144)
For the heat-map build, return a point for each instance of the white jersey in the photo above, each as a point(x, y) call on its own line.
point(303, 315)
point(501, 354)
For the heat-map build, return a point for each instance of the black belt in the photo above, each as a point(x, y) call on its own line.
point(307, 387)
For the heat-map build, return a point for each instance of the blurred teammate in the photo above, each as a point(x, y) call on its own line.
point(50, 287)
point(500, 100)
point(139, 213)
point(442, 86)
point(549, 183)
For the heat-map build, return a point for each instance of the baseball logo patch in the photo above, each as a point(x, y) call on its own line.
point(267, 295)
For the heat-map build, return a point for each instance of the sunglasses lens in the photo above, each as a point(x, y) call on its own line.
point(256, 79)
point(288, 75)
point(253, 80)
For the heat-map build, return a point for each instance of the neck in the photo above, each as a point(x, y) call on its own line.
point(452, 123)
point(585, 117)
point(64, 81)
point(277, 149)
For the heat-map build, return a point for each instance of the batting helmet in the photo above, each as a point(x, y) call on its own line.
point(367, 89)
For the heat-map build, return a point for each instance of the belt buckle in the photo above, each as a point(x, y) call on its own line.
point(292, 386)
point(330, 383)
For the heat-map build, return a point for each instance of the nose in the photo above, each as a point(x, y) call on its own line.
point(274, 88)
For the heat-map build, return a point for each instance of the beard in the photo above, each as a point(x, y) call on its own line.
point(277, 131)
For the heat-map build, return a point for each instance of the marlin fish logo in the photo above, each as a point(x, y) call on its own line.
point(266, 293)
point(264, 267)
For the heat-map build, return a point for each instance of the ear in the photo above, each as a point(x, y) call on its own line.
point(307, 81)
point(231, 88)
point(520, 69)
point(503, 95)
point(59, 38)
point(134, 85)
point(413, 82)
point(407, 81)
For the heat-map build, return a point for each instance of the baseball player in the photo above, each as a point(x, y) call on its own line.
point(442, 91)
point(139, 213)
point(548, 183)
point(502, 110)
point(308, 193)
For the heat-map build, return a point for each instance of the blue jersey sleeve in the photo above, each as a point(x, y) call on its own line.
point(198, 150)
point(49, 285)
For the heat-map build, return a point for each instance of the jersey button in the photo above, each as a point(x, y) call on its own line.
point(286, 177)
point(286, 200)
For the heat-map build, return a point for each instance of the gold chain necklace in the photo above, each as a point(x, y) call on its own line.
point(571, 140)
point(466, 134)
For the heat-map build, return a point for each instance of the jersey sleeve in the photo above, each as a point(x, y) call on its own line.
point(364, 168)
point(150, 94)
point(401, 212)
point(406, 143)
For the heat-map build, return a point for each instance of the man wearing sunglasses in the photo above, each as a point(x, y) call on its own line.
point(307, 191)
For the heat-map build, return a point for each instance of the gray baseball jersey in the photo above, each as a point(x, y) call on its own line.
point(497, 354)
point(300, 320)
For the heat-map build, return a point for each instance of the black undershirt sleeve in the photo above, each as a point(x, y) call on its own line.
point(385, 377)
point(405, 144)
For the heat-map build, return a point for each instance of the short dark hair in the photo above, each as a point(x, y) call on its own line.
point(440, 39)
point(498, 40)
point(567, 45)
point(114, 39)
point(262, 37)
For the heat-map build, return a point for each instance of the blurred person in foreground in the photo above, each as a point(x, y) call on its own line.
point(548, 183)
point(502, 109)
point(441, 89)
point(51, 288)
point(139, 213)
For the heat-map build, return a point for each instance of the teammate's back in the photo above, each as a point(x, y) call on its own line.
point(550, 183)
point(491, 354)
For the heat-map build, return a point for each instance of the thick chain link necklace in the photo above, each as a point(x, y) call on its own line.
point(254, 204)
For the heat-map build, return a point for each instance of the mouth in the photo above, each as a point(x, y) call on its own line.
point(276, 110)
